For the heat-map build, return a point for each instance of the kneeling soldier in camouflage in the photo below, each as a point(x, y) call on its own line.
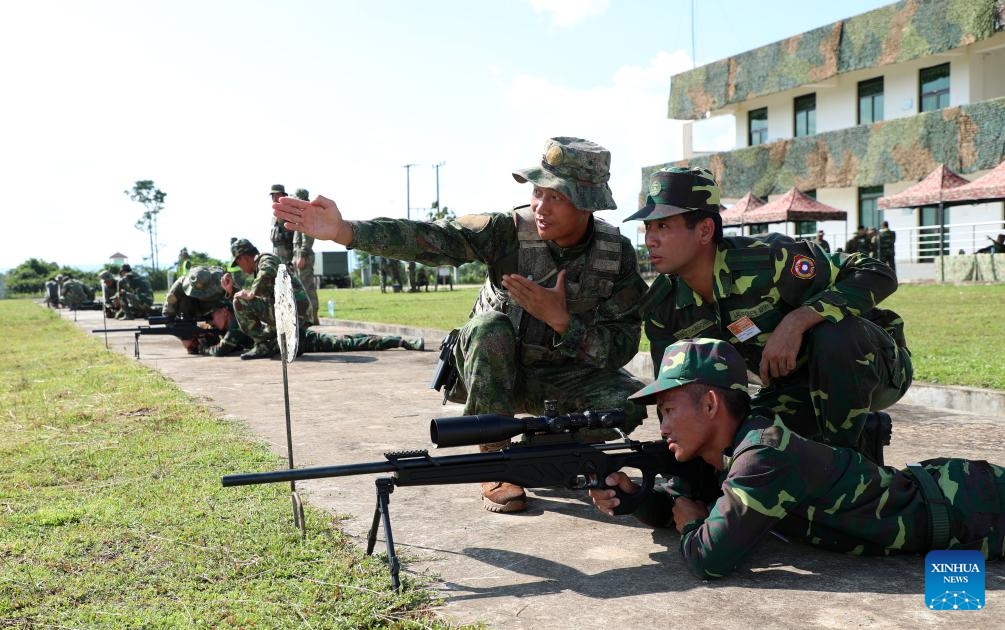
point(774, 480)
point(255, 311)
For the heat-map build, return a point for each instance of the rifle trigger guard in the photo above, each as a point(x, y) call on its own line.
point(628, 503)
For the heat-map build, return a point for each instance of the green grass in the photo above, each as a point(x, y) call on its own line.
point(955, 332)
point(112, 513)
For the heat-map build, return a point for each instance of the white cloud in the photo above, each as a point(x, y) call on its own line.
point(566, 13)
point(626, 114)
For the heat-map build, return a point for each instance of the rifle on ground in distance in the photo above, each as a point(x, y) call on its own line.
point(184, 328)
point(553, 454)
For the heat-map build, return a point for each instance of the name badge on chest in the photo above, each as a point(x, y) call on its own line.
point(744, 328)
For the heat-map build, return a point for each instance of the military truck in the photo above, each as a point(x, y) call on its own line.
point(332, 269)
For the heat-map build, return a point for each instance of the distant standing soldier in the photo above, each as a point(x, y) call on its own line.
point(183, 262)
point(73, 293)
point(282, 239)
point(303, 261)
point(822, 242)
point(109, 293)
point(52, 293)
point(858, 243)
point(136, 297)
point(887, 245)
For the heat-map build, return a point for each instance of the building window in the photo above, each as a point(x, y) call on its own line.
point(757, 126)
point(753, 229)
point(870, 101)
point(934, 88)
point(806, 115)
point(869, 213)
point(804, 228)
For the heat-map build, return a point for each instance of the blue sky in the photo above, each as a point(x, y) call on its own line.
point(217, 101)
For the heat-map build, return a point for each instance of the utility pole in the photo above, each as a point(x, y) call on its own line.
point(408, 190)
point(412, 288)
point(437, 167)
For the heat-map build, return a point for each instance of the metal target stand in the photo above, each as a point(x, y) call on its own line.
point(289, 335)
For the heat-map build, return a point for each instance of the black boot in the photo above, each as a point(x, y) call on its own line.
point(876, 434)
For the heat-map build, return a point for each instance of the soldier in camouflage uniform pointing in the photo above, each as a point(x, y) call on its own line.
point(775, 480)
point(557, 316)
point(806, 322)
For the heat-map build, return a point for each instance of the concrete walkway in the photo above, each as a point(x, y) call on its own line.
point(561, 564)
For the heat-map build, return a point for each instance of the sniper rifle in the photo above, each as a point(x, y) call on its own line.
point(553, 453)
point(184, 328)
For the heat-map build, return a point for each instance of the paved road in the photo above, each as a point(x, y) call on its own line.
point(561, 564)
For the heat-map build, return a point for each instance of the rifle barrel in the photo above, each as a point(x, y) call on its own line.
point(300, 474)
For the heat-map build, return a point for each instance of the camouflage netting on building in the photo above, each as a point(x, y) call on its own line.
point(967, 138)
point(900, 32)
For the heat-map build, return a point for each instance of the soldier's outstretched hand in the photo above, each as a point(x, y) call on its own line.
point(320, 218)
point(547, 305)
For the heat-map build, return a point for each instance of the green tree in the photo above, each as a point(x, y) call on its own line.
point(436, 212)
point(152, 198)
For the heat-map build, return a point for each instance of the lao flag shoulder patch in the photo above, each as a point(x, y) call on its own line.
point(804, 267)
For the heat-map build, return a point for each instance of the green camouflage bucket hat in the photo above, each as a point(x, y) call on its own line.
point(106, 276)
point(577, 168)
point(239, 247)
point(278, 189)
point(678, 190)
point(709, 361)
point(202, 283)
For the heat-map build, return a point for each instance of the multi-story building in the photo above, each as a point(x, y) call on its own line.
point(858, 109)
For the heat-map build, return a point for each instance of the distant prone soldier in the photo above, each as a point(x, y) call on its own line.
point(74, 293)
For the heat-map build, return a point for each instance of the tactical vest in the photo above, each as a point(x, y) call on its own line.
point(589, 280)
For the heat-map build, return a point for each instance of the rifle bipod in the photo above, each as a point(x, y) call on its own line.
point(385, 486)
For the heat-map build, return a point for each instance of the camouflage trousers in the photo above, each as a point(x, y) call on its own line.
point(975, 491)
point(316, 341)
point(257, 319)
point(135, 305)
point(492, 379)
point(853, 367)
point(310, 286)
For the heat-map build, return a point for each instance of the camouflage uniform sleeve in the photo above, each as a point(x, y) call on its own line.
point(264, 285)
point(482, 237)
point(833, 285)
point(613, 338)
point(762, 486)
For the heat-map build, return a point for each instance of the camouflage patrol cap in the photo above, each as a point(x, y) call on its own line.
point(278, 189)
point(678, 190)
point(202, 282)
point(577, 168)
point(302, 194)
point(708, 361)
point(239, 247)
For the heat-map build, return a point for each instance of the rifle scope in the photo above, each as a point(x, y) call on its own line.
point(495, 427)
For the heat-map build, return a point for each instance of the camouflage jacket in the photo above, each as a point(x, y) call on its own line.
point(763, 279)
point(264, 284)
point(773, 479)
point(74, 293)
point(282, 241)
point(885, 247)
point(612, 339)
point(137, 287)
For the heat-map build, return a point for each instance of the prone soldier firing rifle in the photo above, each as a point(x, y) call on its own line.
point(554, 453)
